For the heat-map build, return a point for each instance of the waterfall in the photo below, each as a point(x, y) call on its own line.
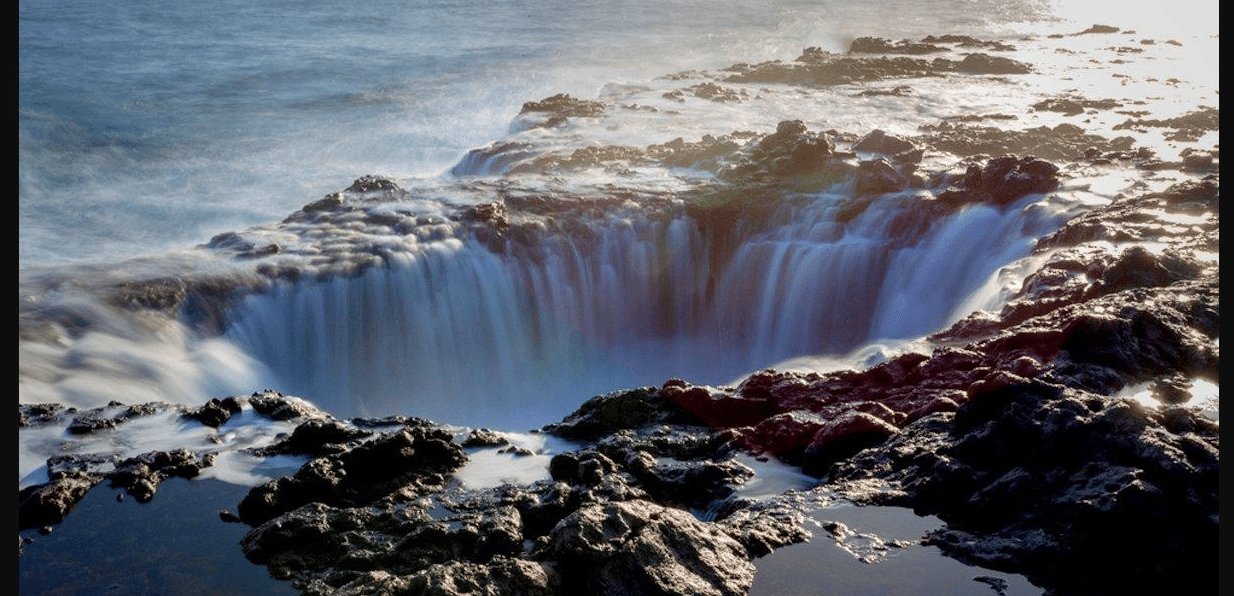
point(519, 336)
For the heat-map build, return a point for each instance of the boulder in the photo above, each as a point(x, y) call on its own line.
point(411, 459)
point(639, 547)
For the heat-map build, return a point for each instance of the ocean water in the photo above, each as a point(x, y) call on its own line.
point(144, 125)
point(147, 128)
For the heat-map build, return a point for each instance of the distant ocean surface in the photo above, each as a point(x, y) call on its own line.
point(147, 125)
point(147, 128)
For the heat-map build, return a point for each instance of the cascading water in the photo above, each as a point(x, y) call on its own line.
point(520, 335)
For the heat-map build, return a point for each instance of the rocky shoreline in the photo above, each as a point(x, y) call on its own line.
point(1057, 438)
point(1011, 431)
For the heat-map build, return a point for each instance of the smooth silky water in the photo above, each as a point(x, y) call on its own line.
point(147, 128)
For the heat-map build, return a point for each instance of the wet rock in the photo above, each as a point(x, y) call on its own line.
point(639, 547)
point(986, 64)
point(620, 410)
point(762, 529)
point(276, 406)
point(367, 184)
point(312, 536)
point(717, 408)
point(317, 437)
point(897, 91)
point(966, 41)
point(47, 504)
point(110, 416)
point(879, 176)
point(792, 153)
point(1040, 478)
point(1098, 29)
point(498, 577)
point(785, 434)
point(818, 68)
point(1013, 438)
point(565, 105)
point(582, 158)
point(30, 415)
point(691, 484)
point(842, 437)
point(708, 153)
point(71, 476)
point(555, 110)
point(479, 537)
point(330, 202)
point(215, 412)
point(229, 241)
point(878, 45)
point(140, 476)
point(709, 91)
point(878, 141)
point(483, 437)
point(1071, 105)
point(165, 294)
point(1188, 127)
point(408, 461)
point(1064, 141)
point(1003, 180)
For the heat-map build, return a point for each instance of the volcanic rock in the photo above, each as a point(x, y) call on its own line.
point(638, 547)
point(412, 459)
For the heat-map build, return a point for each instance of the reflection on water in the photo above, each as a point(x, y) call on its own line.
point(174, 545)
point(858, 551)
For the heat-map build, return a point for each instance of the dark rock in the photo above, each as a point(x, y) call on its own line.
point(165, 294)
point(987, 64)
point(373, 184)
point(1064, 141)
point(877, 45)
point(556, 110)
point(1099, 29)
point(1188, 127)
point(817, 68)
point(718, 409)
point(879, 176)
point(707, 153)
point(411, 459)
point(564, 105)
point(215, 412)
point(843, 437)
point(1003, 180)
point(498, 577)
point(276, 406)
point(762, 530)
point(330, 202)
point(47, 504)
point(110, 416)
point(966, 41)
point(229, 241)
point(638, 547)
point(691, 484)
point(312, 536)
point(483, 437)
point(141, 475)
point(620, 410)
point(30, 415)
point(1070, 105)
point(317, 437)
point(877, 141)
